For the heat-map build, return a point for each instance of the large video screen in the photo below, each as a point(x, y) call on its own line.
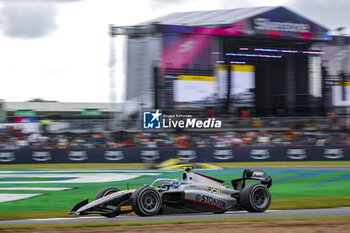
point(242, 84)
point(194, 91)
point(341, 94)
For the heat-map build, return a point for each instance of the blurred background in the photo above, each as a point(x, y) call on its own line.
point(276, 75)
point(77, 75)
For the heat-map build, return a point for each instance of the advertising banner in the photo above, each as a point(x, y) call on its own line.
point(209, 154)
point(278, 22)
point(186, 51)
point(283, 23)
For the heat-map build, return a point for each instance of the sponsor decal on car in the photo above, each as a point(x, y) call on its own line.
point(258, 173)
point(210, 200)
point(125, 208)
point(214, 190)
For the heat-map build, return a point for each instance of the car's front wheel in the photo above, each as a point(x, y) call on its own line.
point(105, 192)
point(146, 201)
point(255, 198)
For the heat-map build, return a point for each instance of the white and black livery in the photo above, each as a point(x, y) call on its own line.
point(193, 193)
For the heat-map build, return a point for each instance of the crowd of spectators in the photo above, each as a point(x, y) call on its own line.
point(13, 138)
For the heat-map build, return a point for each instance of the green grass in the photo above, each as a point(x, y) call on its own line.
point(310, 202)
point(317, 185)
point(149, 223)
point(285, 164)
point(35, 214)
point(291, 189)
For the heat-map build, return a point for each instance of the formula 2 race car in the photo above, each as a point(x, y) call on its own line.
point(193, 193)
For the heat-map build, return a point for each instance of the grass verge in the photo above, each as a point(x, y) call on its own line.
point(34, 214)
point(110, 224)
point(310, 202)
point(286, 164)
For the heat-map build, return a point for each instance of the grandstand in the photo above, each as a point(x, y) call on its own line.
point(255, 69)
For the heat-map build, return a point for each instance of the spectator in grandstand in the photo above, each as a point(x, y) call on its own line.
point(12, 138)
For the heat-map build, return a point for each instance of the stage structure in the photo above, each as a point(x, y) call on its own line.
point(263, 61)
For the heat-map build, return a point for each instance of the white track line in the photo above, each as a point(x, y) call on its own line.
point(50, 219)
point(35, 189)
point(5, 197)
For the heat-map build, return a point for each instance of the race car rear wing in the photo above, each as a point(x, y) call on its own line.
point(239, 184)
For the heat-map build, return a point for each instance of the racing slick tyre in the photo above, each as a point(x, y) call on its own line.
point(105, 192)
point(255, 198)
point(146, 201)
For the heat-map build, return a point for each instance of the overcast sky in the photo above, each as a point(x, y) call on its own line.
point(58, 49)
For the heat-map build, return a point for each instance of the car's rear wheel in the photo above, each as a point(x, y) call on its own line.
point(255, 198)
point(146, 201)
point(105, 192)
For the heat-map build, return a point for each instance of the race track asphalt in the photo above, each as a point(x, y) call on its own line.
point(341, 211)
